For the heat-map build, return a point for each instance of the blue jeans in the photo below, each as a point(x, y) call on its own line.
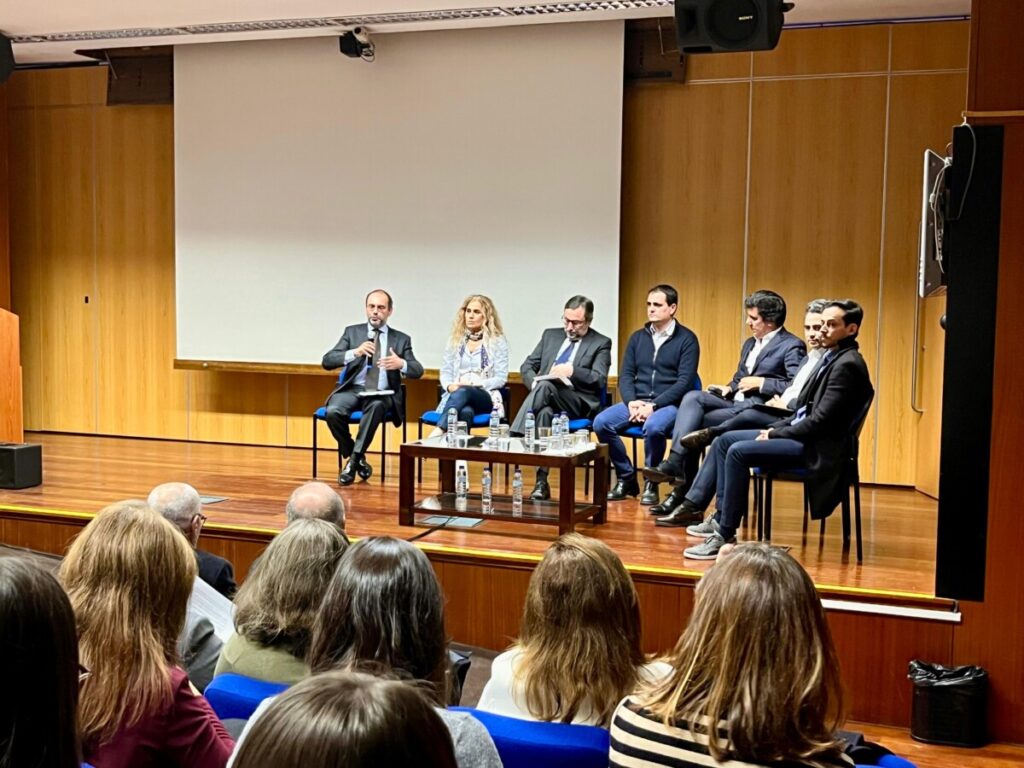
point(468, 401)
point(614, 420)
point(726, 471)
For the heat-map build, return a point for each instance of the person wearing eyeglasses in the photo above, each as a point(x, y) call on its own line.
point(567, 371)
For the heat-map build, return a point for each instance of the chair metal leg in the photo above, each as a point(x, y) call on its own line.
point(419, 462)
point(846, 519)
point(383, 451)
point(856, 513)
point(314, 446)
point(635, 468)
point(768, 508)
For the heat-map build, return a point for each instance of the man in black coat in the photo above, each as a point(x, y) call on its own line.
point(818, 436)
point(373, 357)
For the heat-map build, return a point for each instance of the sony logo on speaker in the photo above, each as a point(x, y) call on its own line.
point(745, 18)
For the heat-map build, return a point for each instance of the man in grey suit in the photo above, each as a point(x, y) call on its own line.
point(374, 358)
point(574, 352)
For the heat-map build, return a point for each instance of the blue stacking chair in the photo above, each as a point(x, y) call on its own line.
point(433, 417)
point(320, 414)
point(529, 744)
point(235, 697)
point(764, 478)
point(636, 432)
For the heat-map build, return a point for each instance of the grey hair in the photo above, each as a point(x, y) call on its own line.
point(817, 306)
point(578, 301)
point(178, 502)
point(316, 500)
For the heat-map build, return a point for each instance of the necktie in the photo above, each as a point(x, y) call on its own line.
point(566, 353)
point(372, 371)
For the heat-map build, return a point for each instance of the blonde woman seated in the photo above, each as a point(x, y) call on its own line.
point(475, 363)
point(578, 651)
point(129, 575)
point(757, 662)
point(278, 603)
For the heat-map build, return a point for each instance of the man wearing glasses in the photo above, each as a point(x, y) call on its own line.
point(567, 371)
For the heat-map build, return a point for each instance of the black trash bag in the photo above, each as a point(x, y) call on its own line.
point(950, 704)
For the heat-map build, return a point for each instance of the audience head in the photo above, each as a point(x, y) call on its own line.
point(129, 575)
point(813, 321)
point(278, 603)
point(577, 315)
point(378, 307)
point(662, 303)
point(840, 320)
point(318, 501)
point(477, 314)
point(766, 311)
point(384, 606)
point(180, 504)
point(39, 652)
point(757, 654)
point(580, 635)
point(348, 719)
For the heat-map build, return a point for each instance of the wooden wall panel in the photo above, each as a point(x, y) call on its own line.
point(5, 213)
point(917, 47)
point(826, 51)
point(817, 165)
point(138, 391)
point(683, 198)
point(997, 67)
point(484, 605)
point(929, 427)
point(922, 111)
point(244, 408)
point(723, 66)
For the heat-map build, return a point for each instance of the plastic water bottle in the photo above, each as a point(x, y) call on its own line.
point(486, 500)
point(530, 432)
point(461, 488)
point(517, 493)
point(453, 420)
point(494, 426)
point(563, 432)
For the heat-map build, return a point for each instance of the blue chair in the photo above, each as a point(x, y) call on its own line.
point(764, 479)
point(575, 424)
point(529, 744)
point(320, 414)
point(636, 432)
point(237, 696)
point(433, 417)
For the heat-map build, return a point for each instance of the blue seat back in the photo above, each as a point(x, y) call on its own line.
point(237, 696)
point(528, 744)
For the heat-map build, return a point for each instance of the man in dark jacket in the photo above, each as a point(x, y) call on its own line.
point(818, 436)
point(658, 368)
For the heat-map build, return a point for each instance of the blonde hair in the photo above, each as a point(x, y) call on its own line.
point(129, 575)
point(279, 602)
point(580, 634)
point(492, 323)
point(756, 654)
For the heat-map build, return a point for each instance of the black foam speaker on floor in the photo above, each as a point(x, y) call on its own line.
point(6, 58)
point(718, 26)
point(21, 465)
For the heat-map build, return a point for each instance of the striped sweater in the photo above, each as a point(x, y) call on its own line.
point(640, 740)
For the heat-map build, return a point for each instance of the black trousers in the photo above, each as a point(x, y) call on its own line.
point(343, 404)
point(547, 399)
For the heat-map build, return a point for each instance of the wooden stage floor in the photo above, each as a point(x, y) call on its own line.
point(84, 473)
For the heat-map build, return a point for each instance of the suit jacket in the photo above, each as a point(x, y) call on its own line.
point(217, 572)
point(353, 336)
point(589, 366)
point(778, 362)
point(835, 397)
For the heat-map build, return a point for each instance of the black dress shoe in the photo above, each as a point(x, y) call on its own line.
point(671, 501)
point(669, 471)
point(363, 469)
point(623, 488)
point(650, 495)
point(697, 440)
point(541, 491)
point(347, 476)
point(683, 515)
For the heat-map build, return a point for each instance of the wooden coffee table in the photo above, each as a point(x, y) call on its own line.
point(564, 512)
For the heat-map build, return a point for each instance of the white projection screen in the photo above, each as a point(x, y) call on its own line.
point(460, 161)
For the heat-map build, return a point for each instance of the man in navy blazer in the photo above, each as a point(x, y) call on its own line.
point(575, 352)
point(374, 358)
point(769, 360)
point(819, 436)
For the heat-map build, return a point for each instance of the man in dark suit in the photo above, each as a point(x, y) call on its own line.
point(180, 504)
point(574, 352)
point(769, 360)
point(374, 358)
point(817, 436)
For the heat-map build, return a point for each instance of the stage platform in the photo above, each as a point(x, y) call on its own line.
point(882, 612)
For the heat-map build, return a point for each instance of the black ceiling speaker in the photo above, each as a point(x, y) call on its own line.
point(719, 26)
point(6, 58)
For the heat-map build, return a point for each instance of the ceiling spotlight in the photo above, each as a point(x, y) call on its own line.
point(356, 44)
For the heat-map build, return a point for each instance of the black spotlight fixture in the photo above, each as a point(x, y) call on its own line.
point(720, 26)
point(356, 44)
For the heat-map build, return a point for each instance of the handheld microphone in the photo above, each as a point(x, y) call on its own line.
point(371, 334)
